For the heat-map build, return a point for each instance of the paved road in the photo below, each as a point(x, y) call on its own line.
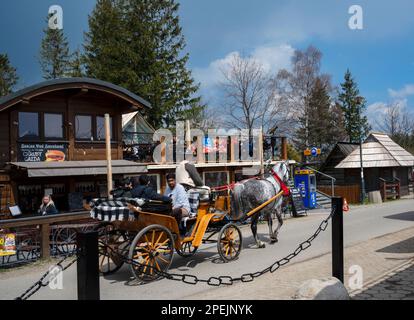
point(361, 224)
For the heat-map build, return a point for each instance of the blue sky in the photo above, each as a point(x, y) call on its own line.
point(381, 56)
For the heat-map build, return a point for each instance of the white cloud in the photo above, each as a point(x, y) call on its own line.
point(273, 58)
point(407, 90)
point(376, 112)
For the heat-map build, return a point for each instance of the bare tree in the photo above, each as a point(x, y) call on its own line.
point(398, 122)
point(297, 84)
point(251, 97)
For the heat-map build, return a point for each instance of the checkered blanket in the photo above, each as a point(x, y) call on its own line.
point(113, 210)
point(194, 200)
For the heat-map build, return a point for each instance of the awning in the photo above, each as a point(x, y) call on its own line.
point(78, 168)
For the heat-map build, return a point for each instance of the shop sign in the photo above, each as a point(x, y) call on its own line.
point(39, 152)
point(7, 244)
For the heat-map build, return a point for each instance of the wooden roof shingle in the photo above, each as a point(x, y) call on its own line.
point(378, 150)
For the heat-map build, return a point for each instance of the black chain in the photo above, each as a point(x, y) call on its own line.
point(41, 283)
point(228, 280)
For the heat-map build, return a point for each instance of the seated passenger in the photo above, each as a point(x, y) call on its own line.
point(143, 190)
point(180, 203)
point(124, 190)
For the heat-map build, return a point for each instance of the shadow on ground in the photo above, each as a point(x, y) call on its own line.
point(405, 246)
point(407, 216)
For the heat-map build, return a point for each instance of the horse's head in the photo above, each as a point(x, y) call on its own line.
point(282, 170)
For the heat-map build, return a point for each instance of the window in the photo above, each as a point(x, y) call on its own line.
point(100, 128)
point(53, 125)
point(29, 125)
point(216, 179)
point(83, 127)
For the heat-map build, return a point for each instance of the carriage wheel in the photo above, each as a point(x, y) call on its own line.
point(65, 241)
point(152, 250)
point(229, 243)
point(187, 250)
point(112, 245)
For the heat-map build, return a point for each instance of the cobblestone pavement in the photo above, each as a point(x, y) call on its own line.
point(397, 284)
point(387, 263)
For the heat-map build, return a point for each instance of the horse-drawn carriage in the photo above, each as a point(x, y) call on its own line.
point(150, 238)
point(143, 231)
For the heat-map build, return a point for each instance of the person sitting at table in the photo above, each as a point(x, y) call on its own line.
point(47, 207)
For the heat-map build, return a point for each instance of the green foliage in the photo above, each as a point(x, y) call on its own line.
point(138, 44)
point(353, 107)
point(8, 75)
point(293, 154)
point(323, 121)
point(76, 65)
point(54, 54)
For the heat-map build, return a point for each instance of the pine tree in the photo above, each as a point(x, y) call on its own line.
point(76, 65)
point(138, 44)
point(8, 75)
point(54, 54)
point(325, 121)
point(353, 107)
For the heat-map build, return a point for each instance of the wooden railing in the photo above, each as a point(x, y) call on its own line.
point(390, 189)
point(352, 193)
point(44, 224)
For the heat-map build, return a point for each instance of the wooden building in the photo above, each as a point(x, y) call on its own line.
point(383, 161)
point(52, 140)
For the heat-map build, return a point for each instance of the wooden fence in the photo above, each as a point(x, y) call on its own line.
point(352, 193)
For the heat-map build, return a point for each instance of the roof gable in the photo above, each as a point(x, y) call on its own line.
point(378, 150)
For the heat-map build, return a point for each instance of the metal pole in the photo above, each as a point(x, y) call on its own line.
point(362, 172)
point(338, 239)
point(88, 266)
point(108, 154)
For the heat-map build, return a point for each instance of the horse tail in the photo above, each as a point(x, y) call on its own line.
point(237, 208)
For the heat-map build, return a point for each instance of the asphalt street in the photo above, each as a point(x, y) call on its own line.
point(360, 224)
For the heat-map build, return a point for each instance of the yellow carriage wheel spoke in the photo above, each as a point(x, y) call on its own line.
point(157, 265)
point(159, 238)
point(161, 258)
point(163, 243)
point(139, 254)
point(153, 237)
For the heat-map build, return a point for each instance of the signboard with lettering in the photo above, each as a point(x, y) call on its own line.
point(7, 244)
point(39, 152)
point(298, 207)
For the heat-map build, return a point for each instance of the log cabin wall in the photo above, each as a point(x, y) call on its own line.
point(4, 138)
point(88, 104)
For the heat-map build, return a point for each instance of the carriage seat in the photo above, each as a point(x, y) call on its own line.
point(197, 195)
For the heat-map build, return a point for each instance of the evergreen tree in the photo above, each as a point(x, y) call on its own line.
point(325, 121)
point(353, 107)
point(54, 54)
point(8, 76)
point(76, 65)
point(138, 44)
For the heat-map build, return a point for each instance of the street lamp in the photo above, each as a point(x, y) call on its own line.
point(359, 101)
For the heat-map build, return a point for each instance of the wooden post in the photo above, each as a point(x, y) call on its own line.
point(108, 154)
point(45, 242)
point(284, 148)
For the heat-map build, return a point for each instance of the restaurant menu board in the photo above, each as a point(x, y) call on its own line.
point(298, 206)
point(7, 244)
point(39, 152)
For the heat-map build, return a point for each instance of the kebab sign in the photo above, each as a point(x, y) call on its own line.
point(7, 244)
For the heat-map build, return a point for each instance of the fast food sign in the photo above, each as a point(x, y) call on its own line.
point(7, 244)
point(39, 152)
